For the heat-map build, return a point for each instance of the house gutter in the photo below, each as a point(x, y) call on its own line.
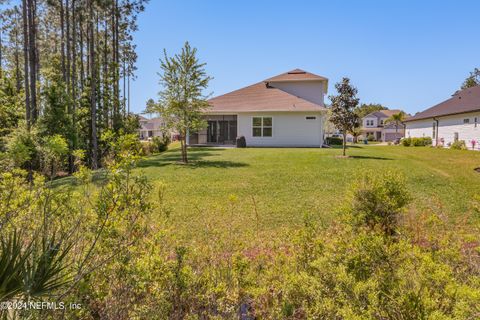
point(436, 131)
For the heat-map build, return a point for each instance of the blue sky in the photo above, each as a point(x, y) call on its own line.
point(403, 54)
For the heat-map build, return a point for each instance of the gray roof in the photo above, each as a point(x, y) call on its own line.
point(462, 101)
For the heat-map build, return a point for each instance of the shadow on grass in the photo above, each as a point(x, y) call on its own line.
point(196, 158)
point(348, 147)
point(369, 157)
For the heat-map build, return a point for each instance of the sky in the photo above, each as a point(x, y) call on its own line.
point(404, 54)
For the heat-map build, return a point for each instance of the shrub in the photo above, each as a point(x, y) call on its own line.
point(334, 141)
point(416, 142)
point(406, 142)
point(458, 145)
point(377, 201)
point(160, 144)
point(370, 137)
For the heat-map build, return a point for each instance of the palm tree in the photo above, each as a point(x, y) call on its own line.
point(397, 118)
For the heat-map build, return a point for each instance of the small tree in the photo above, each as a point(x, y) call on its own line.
point(397, 119)
point(472, 80)
point(343, 109)
point(182, 101)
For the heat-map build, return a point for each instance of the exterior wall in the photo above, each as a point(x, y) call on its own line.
point(447, 127)
point(290, 129)
point(419, 129)
point(364, 122)
point(308, 90)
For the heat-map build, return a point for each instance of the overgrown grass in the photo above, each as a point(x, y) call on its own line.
point(256, 193)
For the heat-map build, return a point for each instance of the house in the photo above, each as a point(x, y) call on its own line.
point(287, 110)
point(451, 120)
point(375, 124)
point(150, 128)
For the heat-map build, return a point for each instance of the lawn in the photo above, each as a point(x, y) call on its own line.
point(245, 192)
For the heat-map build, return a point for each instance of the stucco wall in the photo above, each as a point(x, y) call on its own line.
point(447, 127)
point(419, 129)
point(375, 122)
point(290, 129)
point(308, 90)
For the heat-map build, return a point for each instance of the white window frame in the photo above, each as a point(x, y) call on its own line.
point(262, 127)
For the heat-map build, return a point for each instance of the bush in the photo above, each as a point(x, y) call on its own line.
point(416, 142)
point(458, 145)
point(370, 137)
point(378, 200)
point(334, 141)
point(160, 144)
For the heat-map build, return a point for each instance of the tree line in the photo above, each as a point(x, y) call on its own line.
point(65, 70)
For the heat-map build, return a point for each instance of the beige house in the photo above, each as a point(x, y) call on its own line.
point(150, 128)
point(375, 124)
point(286, 110)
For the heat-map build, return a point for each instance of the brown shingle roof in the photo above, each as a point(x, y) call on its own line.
point(258, 97)
point(466, 100)
point(296, 75)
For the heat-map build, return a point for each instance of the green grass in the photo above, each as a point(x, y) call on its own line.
point(286, 183)
point(256, 192)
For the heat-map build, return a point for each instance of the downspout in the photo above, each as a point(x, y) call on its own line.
point(436, 131)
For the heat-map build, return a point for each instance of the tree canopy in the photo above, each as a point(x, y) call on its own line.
point(343, 114)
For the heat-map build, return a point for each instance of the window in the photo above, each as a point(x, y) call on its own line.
point(311, 118)
point(381, 122)
point(455, 136)
point(434, 134)
point(262, 126)
point(466, 121)
point(369, 123)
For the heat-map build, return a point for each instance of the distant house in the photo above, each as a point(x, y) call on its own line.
point(375, 124)
point(287, 110)
point(150, 128)
point(451, 120)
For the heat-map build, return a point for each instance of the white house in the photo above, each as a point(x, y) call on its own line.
point(454, 119)
point(375, 124)
point(150, 128)
point(287, 110)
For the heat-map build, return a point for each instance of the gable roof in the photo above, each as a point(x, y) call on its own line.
point(262, 97)
point(462, 101)
point(387, 113)
point(296, 75)
point(258, 97)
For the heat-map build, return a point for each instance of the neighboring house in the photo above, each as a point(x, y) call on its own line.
point(287, 110)
point(150, 128)
point(454, 119)
point(375, 124)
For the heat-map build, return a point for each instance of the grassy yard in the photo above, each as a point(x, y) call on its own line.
point(245, 192)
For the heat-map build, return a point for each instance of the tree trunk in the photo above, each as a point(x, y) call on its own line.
point(184, 148)
point(62, 40)
point(128, 92)
point(32, 54)
point(82, 68)
point(25, 63)
point(344, 143)
point(17, 55)
point(93, 89)
point(68, 57)
point(1, 58)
